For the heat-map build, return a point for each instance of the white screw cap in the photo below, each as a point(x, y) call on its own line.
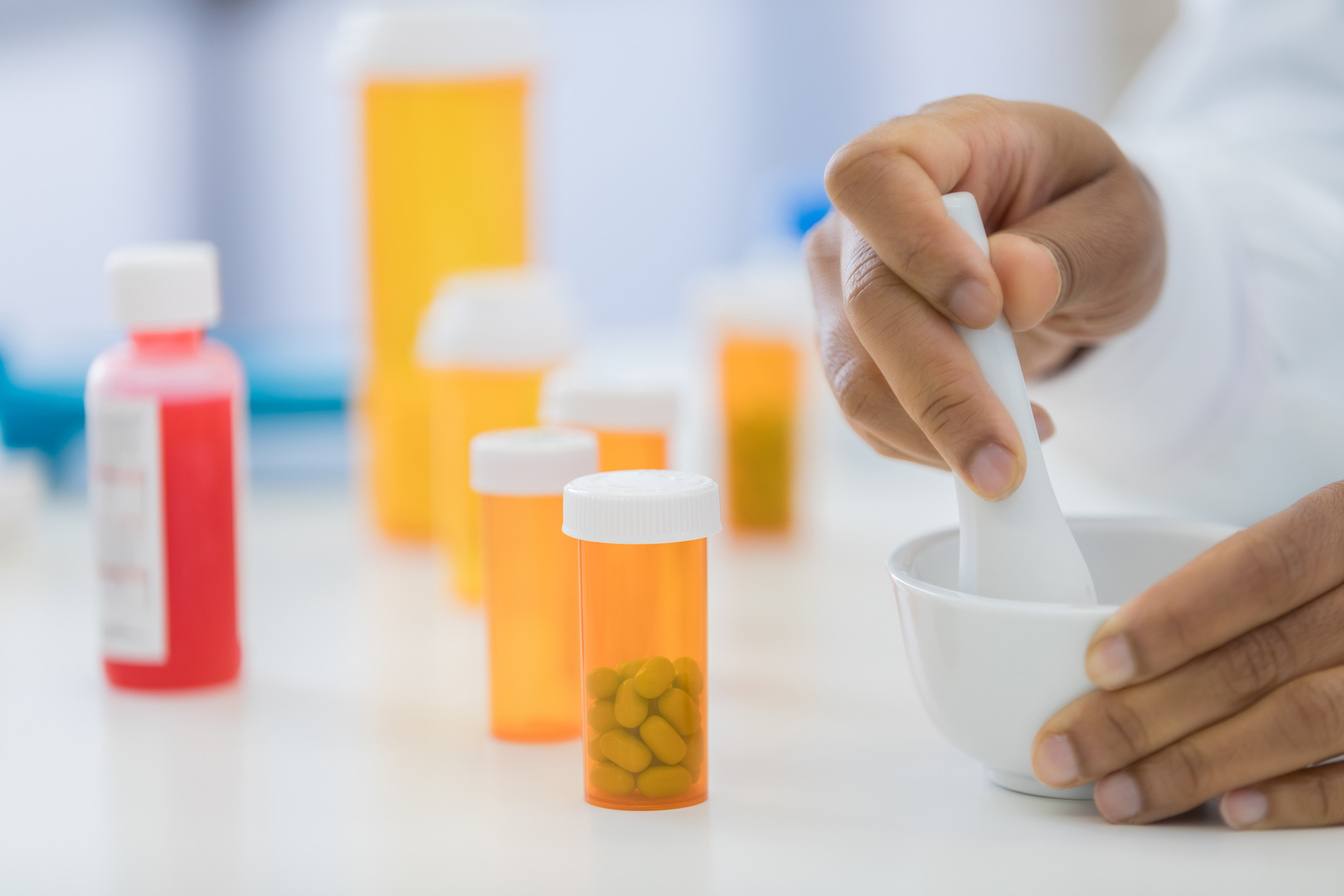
point(641, 507)
point(164, 286)
point(507, 319)
point(623, 406)
point(534, 461)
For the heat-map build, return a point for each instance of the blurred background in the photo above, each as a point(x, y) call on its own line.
point(670, 136)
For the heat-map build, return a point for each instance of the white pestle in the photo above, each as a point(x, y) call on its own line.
point(1019, 548)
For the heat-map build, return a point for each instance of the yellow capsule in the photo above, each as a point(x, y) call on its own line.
point(628, 669)
point(678, 707)
point(631, 709)
point(626, 750)
point(689, 677)
point(694, 760)
point(602, 682)
point(612, 779)
point(663, 781)
point(665, 743)
point(602, 715)
point(654, 677)
point(595, 748)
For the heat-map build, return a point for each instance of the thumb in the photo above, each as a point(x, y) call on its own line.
point(1088, 264)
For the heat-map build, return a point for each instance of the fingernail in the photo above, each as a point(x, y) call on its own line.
point(973, 305)
point(1045, 427)
point(993, 470)
point(1244, 807)
point(1117, 797)
point(1110, 664)
point(1056, 764)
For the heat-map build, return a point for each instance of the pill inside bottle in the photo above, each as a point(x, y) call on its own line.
point(644, 601)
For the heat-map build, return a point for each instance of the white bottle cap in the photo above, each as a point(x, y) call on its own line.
point(161, 287)
point(512, 319)
point(534, 461)
point(622, 406)
point(425, 42)
point(641, 507)
point(761, 299)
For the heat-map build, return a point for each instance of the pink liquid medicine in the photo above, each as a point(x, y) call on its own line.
point(163, 413)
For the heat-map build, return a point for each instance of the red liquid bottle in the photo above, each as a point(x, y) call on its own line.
point(164, 422)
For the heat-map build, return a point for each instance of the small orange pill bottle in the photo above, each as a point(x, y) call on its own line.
point(633, 421)
point(643, 591)
point(531, 577)
point(759, 319)
point(486, 342)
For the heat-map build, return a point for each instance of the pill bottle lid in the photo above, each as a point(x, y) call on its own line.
point(160, 287)
point(627, 405)
point(761, 298)
point(641, 507)
point(536, 460)
point(427, 41)
point(504, 319)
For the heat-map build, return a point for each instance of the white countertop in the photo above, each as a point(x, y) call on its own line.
point(354, 757)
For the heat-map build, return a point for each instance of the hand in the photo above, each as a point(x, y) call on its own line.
point(1226, 678)
point(1077, 255)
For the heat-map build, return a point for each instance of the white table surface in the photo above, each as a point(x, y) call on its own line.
point(353, 757)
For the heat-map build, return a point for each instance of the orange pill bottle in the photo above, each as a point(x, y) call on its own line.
point(632, 420)
point(759, 326)
point(486, 344)
point(643, 592)
point(443, 110)
point(531, 577)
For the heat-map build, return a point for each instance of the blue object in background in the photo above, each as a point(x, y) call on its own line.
point(809, 211)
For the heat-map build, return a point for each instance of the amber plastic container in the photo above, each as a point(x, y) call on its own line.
point(633, 421)
point(487, 342)
point(643, 592)
point(531, 577)
point(759, 378)
point(443, 115)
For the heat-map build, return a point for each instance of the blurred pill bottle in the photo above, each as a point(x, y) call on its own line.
point(757, 319)
point(632, 419)
point(486, 343)
point(165, 417)
point(531, 577)
point(642, 584)
point(443, 94)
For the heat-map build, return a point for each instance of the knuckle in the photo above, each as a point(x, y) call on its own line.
point(1325, 799)
point(1256, 662)
point(866, 289)
point(939, 407)
point(1189, 768)
point(1273, 562)
point(1127, 731)
point(855, 391)
point(1316, 713)
point(857, 167)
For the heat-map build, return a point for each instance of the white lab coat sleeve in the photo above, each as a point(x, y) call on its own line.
point(1227, 401)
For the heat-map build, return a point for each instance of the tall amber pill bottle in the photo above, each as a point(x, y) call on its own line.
point(531, 577)
point(442, 99)
point(633, 420)
point(643, 591)
point(487, 342)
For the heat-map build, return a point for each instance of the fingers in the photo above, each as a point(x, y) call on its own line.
point(1256, 575)
point(1105, 731)
point(890, 183)
point(1313, 797)
point(1297, 725)
point(1092, 260)
point(931, 372)
point(1015, 157)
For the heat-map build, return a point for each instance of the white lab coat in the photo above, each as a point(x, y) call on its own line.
point(1227, 401)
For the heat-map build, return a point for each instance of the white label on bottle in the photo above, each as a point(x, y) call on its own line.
point(126, 493)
